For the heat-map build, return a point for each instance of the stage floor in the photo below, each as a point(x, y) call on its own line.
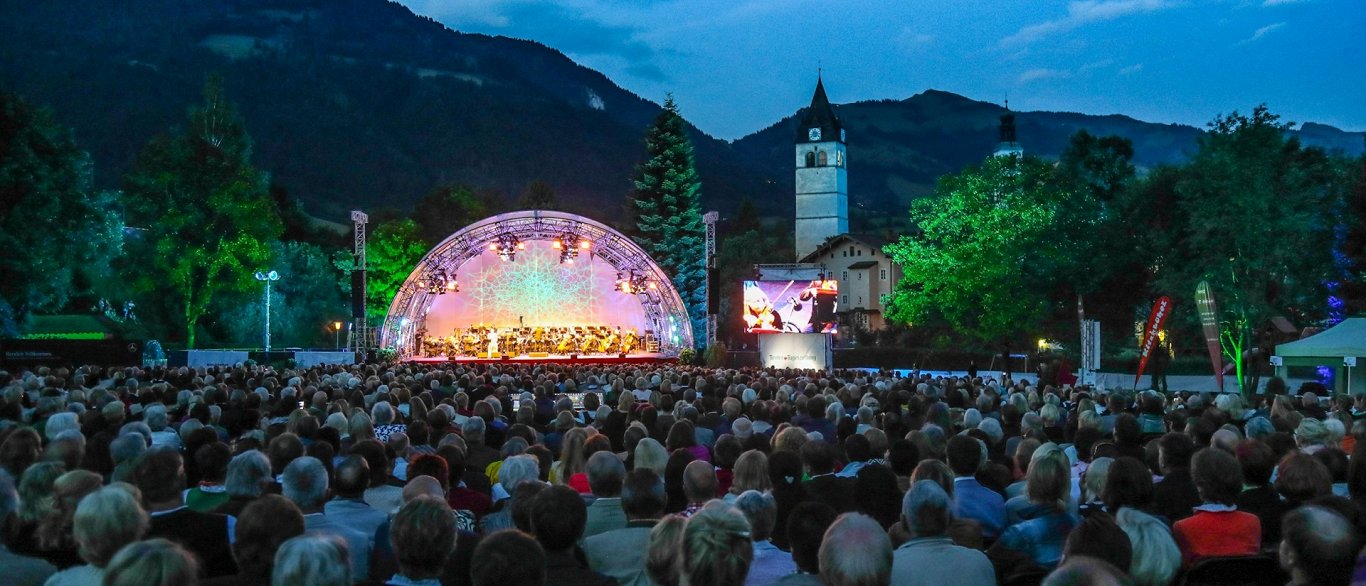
point(655, 358)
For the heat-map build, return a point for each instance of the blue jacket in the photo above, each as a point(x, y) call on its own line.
point(971, 500)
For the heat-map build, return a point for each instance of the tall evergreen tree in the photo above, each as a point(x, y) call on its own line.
point(1351, 254)
point(205, 215)
point(668, 212)
point(53, 224)
point(538, 195)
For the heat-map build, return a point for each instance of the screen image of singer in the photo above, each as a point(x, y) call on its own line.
point(791, 307)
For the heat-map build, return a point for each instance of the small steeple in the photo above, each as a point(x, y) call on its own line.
point(1008, 144)
point(820, 115)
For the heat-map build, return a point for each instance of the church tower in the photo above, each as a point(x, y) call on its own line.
point(822, 177)
point(1008, 146)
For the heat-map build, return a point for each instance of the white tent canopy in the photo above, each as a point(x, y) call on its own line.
point(1329, 348)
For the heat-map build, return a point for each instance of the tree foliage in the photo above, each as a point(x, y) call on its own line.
point(394, 249)
point(57, 234)
point(205, 217)
point(668, 212)
point(538, 195)
point(986, 256)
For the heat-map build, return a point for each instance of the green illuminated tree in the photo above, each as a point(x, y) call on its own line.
point(394, 249)
point(668, 212)
point(1253, 206)
point(203, 211)
point(57, 233)
point(986, 254)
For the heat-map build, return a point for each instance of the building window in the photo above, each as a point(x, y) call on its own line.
point(842, 253)
point(860, 276)
point(860, 252)
point(844, 275)
point(882, 274)
point(844, 299)
point(810, 159)
point(820, 159)
point(851, 251)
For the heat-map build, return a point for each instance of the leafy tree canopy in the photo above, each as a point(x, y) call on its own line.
point(205, 216)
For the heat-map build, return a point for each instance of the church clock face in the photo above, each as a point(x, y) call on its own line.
point(813, 134)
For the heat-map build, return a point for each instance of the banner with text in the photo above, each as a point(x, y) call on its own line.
point(1156, 319)
point(1209, 322)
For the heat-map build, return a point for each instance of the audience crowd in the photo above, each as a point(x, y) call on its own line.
point(664, 475)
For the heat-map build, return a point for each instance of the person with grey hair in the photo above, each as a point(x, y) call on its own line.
point(60, 422)
point(479, 455)
point(18, 569)
point(856, 552)
point(699, 486)
point(931, 557)
point(124, 452)
point(305, 484)
point(105, 521)
point(770, 564)
point(158, 421)
point(1258, 428)
point(382, 414)
point(605, 474)
point(516, 471)
point(715, 547)
point(139, 428)
point(248, 478)
point(312, 559)
point(154, 562)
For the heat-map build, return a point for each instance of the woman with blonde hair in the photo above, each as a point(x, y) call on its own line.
point(155, 562)
point(104, 521)
point(790, 439)
point(750, 473)
point(54, 531)
point(1156, 557)
point(573, 456)
point(651, 455)
point(1042, 518)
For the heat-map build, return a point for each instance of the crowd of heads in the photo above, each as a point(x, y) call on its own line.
point(662, 474)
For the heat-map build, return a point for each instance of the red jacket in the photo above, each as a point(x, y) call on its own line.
point(1217, 534)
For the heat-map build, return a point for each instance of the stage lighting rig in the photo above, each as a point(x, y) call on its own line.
point(438, 283)
point(634, 283)
point(507, 247)
point(569, 244)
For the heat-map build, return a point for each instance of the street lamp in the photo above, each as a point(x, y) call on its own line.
point(336, 338)
point(268, 277)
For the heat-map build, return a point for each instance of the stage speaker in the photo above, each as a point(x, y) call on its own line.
point(507, 356)
point(358, 294)
point(621, 355)
point(573, 356)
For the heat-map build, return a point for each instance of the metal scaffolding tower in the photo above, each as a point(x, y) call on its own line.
point(360, 337)
point(713, 301)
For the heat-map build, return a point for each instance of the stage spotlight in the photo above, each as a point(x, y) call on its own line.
point(568, 245)
point(507, 247)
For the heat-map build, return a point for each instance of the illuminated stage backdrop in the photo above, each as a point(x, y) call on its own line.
point(531, 286)
point(536, 290)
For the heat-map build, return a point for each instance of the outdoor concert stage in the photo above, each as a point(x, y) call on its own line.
point(637, 358)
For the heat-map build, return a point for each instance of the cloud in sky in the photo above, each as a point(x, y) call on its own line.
point(1270, 3)
point(1082, 13)
point(1261, 32)
point(910, 39)
point(1042, 74)
point(1132, 69)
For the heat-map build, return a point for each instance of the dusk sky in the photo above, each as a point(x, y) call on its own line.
point(737, 66)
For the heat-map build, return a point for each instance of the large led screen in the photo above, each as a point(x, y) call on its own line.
point(790, 307)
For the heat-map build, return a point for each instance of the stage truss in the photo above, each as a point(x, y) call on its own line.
point(664, 309)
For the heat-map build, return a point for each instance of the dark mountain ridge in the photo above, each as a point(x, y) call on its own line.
point(363, 104)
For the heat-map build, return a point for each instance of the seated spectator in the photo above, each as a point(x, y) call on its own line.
point(620, 553)
point(516, 471)
point(1301, 478)
point(260, 530)
point(1128, 484)
point(605, 475)
point(1218, 528)
point(769, 563)
point(508, 557)
point(1175, 496)
point(1092, 485)
point(160, 476)
point(1099, 537)
point(661, 557)
point(1156, 558)
point(312, 559)
point(460, 496)
point(305, 483)
point(54, 533)
point(716, 548)
point(381, 494)
point(348, 507)
point(212, 460)
point(22, 570)
point(248, 478)
point(930, 556)
point(823, 485)
point(384, 561)
point(1318, 546)
point(104, 521)
point(856, 552)
point(1040, 537)
point(1258, 497)
point(1086, 571)
point(751, 473)
point(558, 516)
point(971, 500)
point(154, 562)
point(699, 486)
point(423, 536)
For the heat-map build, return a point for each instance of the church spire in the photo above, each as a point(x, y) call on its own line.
point(820, 115)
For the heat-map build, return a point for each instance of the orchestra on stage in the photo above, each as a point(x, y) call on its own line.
point(483, 341)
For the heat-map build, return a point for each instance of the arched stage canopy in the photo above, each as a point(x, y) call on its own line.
point(512, 269)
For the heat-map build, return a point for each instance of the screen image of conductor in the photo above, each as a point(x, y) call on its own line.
point(790, 307)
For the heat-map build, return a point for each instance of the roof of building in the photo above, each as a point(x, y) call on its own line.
point(820, 114)
point(869, 240)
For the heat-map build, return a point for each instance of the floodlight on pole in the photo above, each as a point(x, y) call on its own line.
point(268, 277)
